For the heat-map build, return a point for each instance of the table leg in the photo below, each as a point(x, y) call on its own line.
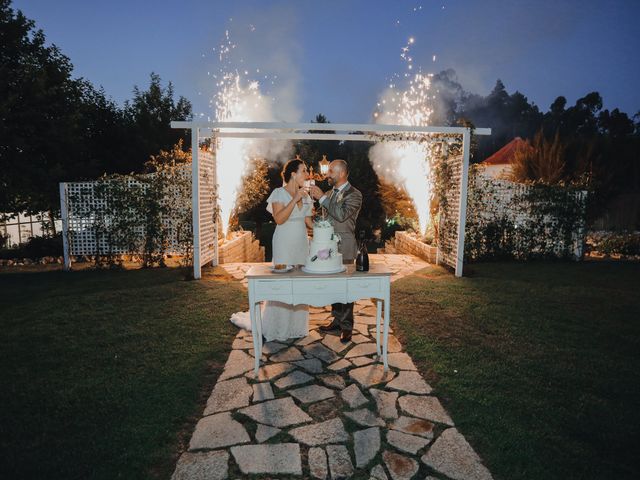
point(254, 335)
point(385, 331)
point(378, 315)
point(259, 326)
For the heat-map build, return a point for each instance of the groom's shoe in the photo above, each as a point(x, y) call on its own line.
point(330, 327)
point(345, 336)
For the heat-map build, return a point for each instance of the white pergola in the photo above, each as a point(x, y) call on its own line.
point(204, 178)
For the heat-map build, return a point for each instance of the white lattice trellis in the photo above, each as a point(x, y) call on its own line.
point(86, 213)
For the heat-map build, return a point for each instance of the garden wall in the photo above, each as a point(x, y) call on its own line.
point(243, 248)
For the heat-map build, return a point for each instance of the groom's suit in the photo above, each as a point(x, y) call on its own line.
point(342, 207)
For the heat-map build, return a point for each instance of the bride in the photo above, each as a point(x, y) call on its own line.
point(291, 207)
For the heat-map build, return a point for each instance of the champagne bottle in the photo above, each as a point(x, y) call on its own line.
point(362, 258)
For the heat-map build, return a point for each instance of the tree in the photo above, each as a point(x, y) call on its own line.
point(149, 117)
point(40, 117)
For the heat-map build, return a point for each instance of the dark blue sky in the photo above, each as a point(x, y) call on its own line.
point(336, 57)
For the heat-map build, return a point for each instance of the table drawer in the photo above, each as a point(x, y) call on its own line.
point(320, 286)
point(281, 287)
point(365, 285)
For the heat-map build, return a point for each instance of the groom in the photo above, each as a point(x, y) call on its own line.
point(342, 204)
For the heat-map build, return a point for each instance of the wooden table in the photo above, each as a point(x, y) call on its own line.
point(297, 287)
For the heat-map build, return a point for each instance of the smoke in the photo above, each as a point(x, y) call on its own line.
point(257, 82)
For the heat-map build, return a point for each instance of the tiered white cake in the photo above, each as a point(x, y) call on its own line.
point(323, 250)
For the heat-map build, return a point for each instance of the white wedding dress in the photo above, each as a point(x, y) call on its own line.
point(281, 321)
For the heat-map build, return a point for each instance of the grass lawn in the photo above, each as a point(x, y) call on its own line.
point(104, 373)
point(539, 363)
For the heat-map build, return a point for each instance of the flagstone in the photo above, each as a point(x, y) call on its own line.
point(270, 348)
point(311, 365)
point(378, 473)
point(202, 466)
point(318, 463)
point(360, 361)
point(452, 455)
point(215, 431)
point(270, 371)
point(241, 344)
point(371, 375)
point(414, 426)
point(276, 458)
point(400, 360)
point(313, 336)
point(411, 382)
point(265, 432)
point(340, 464)
point(237, 364)
point(400, 467)
point(281, 412)
point(405, 442)
point(296, 377)
point(330, 431)
point(334, 343)
point(365, 319)
point(385, 402)
point(362, 328)
point(229, 395)
point(365, 417)
point(393, 344)
point(360, 339)
point(262, 391)
point(312, 393)
point(333, 381)
point(288, 355)
point(361, 350)
point(366, 444)
point(425, 407)
point(320, 351)
point(341, 364)
point(353, 396)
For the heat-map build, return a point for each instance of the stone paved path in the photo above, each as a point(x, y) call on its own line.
point(322, 410)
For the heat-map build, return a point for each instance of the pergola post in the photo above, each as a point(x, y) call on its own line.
point(64, 214)
point(462, 207)
point(195, 197)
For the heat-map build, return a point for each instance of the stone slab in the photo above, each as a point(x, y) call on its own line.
point(282, 412)
point(313, 336)
point(360, 361)
point(361, 350)
point(340, 365)
point(414, 426)
point(330, 431)
point(289, 355)
point(262, 392)
point(320, 351)
point(452, 455)
point(400, 360)
point(216, 431)
point(296, 377)
point(400, 467)
point(332, 380)
point(202, 466)
point(405, 442)
point(318, 467)
point(333, 342)
point(366, 444)
point(237, 363)
point(229, 395)
point(277, 458)
point(385, 403)
point(312, 393)
point(270, 371)
point(371, 375)
point(365, 417)
point(353, 396)
point(425, 407)
point(410, 382)
point(265, 432)
point(340, 464)
point(311, 365)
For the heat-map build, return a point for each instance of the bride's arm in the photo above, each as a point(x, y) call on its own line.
point(309, 222)
point(281, 212)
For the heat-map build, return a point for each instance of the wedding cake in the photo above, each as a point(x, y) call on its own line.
point(323, 250)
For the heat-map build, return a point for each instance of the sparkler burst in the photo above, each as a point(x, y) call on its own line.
point(407, 162)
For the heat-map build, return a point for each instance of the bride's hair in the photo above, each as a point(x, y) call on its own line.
point(290, 167)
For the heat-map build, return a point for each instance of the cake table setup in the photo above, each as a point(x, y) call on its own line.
point(321, 281)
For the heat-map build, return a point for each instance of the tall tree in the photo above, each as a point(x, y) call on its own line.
point(149, 116)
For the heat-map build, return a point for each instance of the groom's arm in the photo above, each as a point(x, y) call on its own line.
point(349, 207)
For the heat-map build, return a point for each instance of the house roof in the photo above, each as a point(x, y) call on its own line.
point(505, 155)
